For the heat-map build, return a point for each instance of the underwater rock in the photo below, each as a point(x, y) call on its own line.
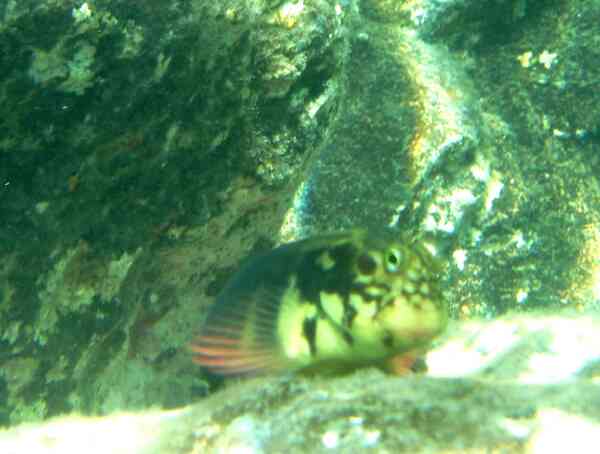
point(519, 384)
point(147, 149)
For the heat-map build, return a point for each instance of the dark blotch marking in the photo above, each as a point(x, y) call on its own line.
point(348, 337)
point(366, 264)
point(360, 289)
point(312, 279)
point(388, 340)
point(349, 315)
point(309, 331)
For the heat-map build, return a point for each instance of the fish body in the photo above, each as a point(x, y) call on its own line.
point(332, 302)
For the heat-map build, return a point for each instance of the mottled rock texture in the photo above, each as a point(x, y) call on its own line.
point(147, 147)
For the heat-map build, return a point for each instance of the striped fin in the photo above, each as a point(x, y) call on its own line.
point(240, 337)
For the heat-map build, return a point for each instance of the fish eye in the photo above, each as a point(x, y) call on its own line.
point(366, 264)
point(393, 259)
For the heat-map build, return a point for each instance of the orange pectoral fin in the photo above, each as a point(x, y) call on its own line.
point(405, 364)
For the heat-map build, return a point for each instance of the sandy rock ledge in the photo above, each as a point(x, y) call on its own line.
point(524, 384)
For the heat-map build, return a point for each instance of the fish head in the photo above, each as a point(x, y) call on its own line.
point(401, 278)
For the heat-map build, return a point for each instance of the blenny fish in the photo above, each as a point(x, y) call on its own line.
point(327, 303)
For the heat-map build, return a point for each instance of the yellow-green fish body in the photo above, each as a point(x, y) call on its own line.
point(329, 302)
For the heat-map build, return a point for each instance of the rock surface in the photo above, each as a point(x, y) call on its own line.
point(522, 384)
point(147, 148)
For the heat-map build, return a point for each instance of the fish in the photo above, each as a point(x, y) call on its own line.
point(330, 303)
